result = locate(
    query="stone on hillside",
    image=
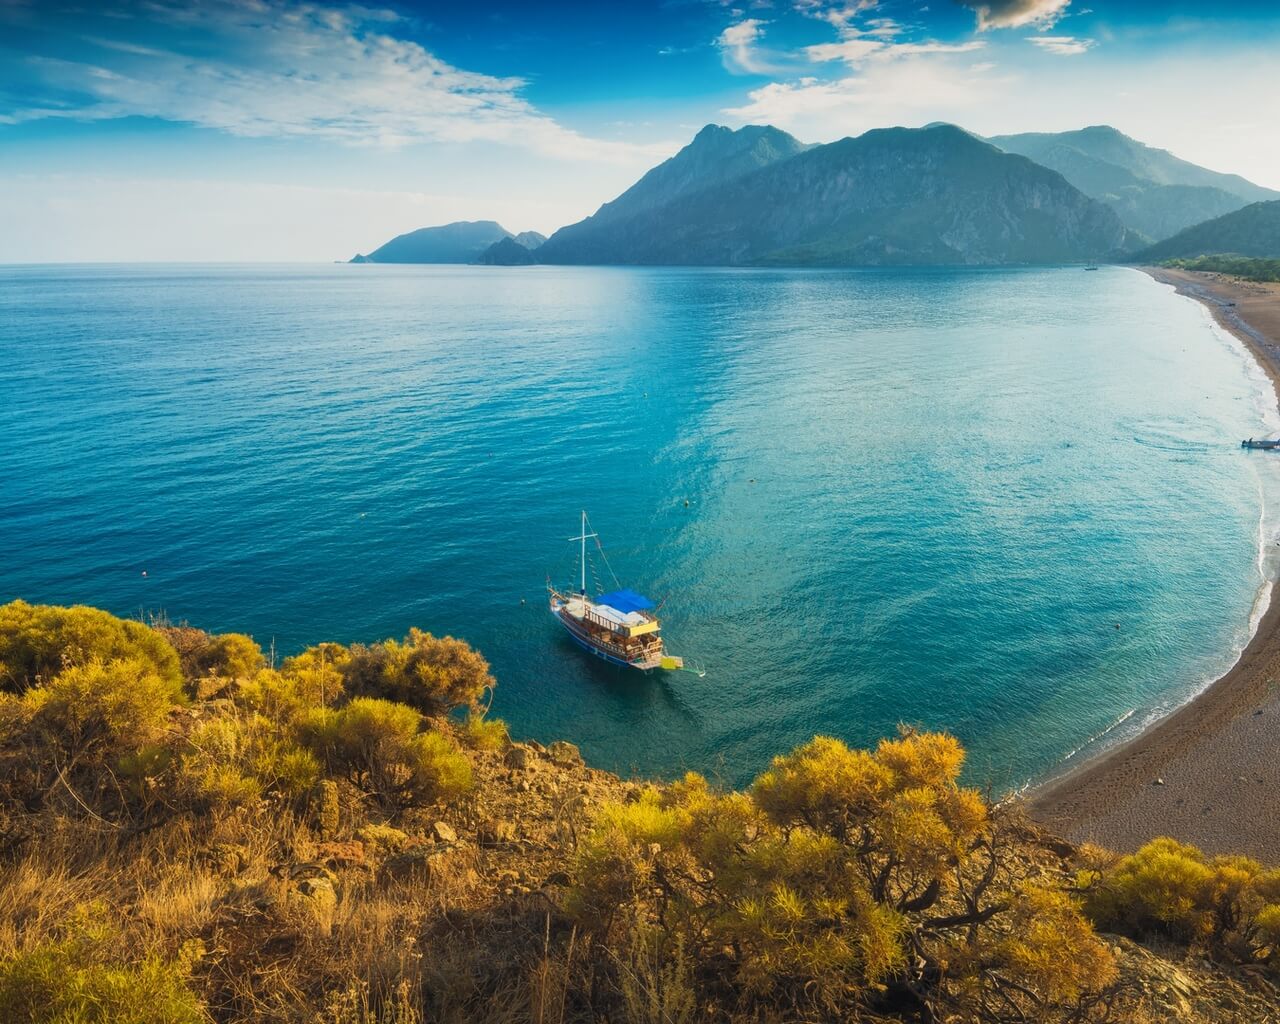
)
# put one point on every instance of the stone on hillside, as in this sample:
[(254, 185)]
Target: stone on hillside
[(383, 838), (348, 854), (444, 832), (518, 757), (565, 754)]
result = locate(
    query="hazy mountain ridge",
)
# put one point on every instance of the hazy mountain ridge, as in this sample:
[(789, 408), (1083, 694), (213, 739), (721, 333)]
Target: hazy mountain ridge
[(934, 195), (1153, 191), (462, 241), (1251, 231)]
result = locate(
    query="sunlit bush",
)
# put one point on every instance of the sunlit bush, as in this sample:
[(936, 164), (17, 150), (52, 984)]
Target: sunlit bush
[(380, 745), (842, 874), (97, 710), (482, 733), (37, 642), (1230, 904), (235, 761), (80, 979), (224, 655), (432, 674)]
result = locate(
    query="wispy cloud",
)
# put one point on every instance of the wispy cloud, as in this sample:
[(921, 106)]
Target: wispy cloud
[(1016, 13), (886, 92), (740, 50), (277, 68), (854, 51), (1063, 46)]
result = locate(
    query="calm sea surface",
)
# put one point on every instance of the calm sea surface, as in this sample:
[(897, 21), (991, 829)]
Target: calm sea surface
[(1009, 503)]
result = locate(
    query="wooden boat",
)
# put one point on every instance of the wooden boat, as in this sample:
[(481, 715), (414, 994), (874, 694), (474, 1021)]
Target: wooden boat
[(619, 627)]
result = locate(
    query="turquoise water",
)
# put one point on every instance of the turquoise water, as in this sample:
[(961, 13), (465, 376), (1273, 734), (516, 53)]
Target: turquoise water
[(926, 496)]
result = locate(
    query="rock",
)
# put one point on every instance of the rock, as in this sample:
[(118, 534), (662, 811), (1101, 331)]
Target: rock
[(327, 809), (349, 854), (383, 838), (496, 833), (1159, 782), (444, 832), (560, 878), (298, 872), (315, 897), (565, 754), (519, 757)]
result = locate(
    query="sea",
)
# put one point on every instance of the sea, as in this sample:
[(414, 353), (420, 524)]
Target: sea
[(1008, 503)]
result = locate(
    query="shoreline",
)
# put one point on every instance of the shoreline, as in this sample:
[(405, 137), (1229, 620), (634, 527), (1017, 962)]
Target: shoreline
[(1207, 773)]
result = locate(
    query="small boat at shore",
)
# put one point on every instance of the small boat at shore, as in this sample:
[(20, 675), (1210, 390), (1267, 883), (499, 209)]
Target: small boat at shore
[(620, 627), (1263, 444)]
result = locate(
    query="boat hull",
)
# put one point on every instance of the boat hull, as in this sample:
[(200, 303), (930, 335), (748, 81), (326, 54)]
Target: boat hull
[(583, 640)]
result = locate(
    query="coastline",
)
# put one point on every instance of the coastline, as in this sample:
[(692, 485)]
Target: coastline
[(1208, 773)]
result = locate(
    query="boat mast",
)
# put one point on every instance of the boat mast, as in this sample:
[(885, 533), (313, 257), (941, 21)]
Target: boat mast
[(583, 537)]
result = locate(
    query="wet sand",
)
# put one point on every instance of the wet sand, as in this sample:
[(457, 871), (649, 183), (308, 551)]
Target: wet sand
[(1209, 773)]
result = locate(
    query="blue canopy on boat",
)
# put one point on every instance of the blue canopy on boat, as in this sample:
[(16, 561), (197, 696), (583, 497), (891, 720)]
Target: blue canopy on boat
[(625, 601)]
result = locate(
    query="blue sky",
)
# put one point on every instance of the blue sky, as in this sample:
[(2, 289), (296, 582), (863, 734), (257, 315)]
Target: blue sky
[(295, 129)]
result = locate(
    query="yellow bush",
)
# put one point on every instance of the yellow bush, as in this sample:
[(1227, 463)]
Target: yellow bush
[(431, 674), (79, 979), (37, 642), (233, 762), (839, 873), (318, 673), (102, 709), (1231, 904), (225, 655), (482, 733), (380, 745)]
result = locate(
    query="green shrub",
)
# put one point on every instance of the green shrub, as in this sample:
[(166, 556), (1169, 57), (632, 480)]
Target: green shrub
[(79, 979), (37, 642), (1228, 904), (234, 762), (482, 733), (842, 874), (224, 655), (97, 710), (380, 746), (432, 674)]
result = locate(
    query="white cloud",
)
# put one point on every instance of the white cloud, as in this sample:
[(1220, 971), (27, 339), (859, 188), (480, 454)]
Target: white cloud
[(911, 90), (1063, 46), (284, 68), (856, 50), (739, 50), (1016, 13)]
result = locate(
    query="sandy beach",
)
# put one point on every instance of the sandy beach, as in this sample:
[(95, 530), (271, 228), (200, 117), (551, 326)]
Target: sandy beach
[(1209, 773)]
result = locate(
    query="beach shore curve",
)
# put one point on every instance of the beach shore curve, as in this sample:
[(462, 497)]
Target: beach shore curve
[(1209, 772)]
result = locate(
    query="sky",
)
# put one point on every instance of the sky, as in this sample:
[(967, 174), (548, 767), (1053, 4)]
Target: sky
[(211, 130)]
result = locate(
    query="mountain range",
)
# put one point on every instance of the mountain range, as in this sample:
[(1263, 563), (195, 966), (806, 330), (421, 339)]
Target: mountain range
[(460, 242), (1152, 191), (932, 195), (1251, 231)]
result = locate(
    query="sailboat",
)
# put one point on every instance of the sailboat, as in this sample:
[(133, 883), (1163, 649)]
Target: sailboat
[(619, 627)]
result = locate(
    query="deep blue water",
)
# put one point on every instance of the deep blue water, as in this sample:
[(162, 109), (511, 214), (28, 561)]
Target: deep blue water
[(925, 496)]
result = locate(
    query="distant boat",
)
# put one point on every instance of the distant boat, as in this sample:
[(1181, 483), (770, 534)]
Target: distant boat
[(1094, 267), (1265, 444), (619, 627)]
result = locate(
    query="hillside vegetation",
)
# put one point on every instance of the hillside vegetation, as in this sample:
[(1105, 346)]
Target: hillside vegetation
[(190, 834), (1247, 267), (1253, 231)]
